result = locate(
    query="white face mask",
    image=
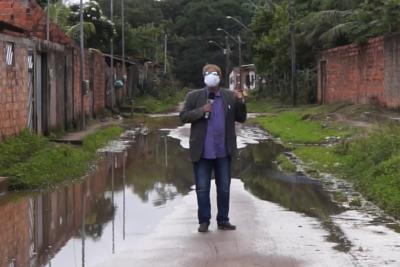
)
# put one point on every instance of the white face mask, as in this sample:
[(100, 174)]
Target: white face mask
[(211, 80)]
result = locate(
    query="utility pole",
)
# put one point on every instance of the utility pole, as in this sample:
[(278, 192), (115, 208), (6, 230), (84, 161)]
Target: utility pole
[(165, 53), (82, 56), (48, 21), (123, 39), (240, 61), (112, 58), (293, 50), (228, 63)]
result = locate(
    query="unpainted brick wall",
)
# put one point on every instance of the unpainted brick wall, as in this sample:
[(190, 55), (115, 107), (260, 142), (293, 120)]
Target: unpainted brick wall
[(98, 80), (354, 73), (13, 90), (60, 212), (28, 15), (77, 85), (14, 231)]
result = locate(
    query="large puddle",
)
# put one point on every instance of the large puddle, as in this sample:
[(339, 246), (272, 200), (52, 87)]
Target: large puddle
[(85, 223)]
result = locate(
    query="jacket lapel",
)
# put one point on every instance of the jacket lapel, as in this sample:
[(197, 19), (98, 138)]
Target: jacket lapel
[(225, 100), (203, 97)]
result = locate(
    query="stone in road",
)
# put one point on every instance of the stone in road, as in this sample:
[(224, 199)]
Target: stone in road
[(267, 235)]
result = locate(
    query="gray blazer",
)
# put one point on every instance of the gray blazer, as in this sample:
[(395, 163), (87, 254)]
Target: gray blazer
[(193, 113)]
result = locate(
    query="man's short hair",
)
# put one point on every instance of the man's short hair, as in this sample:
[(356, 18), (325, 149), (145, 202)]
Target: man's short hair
[(206, 67)]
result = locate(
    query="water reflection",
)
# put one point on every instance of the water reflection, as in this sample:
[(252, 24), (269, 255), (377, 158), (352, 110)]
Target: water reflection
[(84, 223), (160, 169), (298, 193)]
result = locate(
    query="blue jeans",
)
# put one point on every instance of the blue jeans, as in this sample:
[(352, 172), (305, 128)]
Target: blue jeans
[(202, 173)]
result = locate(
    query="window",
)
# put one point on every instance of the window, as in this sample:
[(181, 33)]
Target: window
[(9, 54)]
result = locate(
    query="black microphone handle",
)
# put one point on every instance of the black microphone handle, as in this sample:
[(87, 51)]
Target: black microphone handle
[(209, 101)]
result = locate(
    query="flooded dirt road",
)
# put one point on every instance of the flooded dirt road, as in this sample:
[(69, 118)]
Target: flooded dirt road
[(138, 209)]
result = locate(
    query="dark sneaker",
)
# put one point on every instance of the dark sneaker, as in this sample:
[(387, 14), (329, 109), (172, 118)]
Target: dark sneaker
[(226, 226), (203, 227)]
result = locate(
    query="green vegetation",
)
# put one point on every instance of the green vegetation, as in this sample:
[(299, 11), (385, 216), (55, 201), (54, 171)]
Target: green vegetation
[(33, 162), (319, 25), (157, 105), (321, 158), (15, 150), (370, 159), (286, 164), (291, 127), (261, 105), (99, 139), (373, 163)]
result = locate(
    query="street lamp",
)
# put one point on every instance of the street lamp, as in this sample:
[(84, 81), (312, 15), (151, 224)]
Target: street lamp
[(218, 45), (226, 51), (238, 22), (239, 43), (228, 34)]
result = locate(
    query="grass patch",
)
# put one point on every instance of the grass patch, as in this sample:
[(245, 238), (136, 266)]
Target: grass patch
[(370, 159), (37, 163), (321, 158), (155, 105), (262, 105), (286, 164), (291, 127), (99, 139), (16, 149), (49, 166), (373, 163)]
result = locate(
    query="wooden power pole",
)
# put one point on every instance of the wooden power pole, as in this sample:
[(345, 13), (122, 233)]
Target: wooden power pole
[(292, 19)]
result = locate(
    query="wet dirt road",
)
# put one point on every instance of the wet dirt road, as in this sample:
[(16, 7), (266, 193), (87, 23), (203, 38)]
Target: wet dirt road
[(139, 209)]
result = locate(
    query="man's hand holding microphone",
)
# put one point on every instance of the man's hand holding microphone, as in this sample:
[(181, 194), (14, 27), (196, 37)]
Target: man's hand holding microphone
[(207, 108)]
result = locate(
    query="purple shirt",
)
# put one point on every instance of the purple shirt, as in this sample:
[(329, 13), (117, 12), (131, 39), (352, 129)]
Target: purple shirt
[(214, 145)]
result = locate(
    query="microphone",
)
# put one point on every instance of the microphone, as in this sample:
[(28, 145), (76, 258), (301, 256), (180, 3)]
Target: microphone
[(210, 100)]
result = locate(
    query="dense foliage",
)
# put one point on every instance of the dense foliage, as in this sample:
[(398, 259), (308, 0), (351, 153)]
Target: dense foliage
[(319, 24), (191, 24)]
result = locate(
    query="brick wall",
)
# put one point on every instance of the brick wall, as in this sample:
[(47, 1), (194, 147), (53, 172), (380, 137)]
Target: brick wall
[(77, 86), (13, 88), (63, 92), (28, 15), (362, 74), (56, 218), (353, 74), (98, 86), (14, 233)]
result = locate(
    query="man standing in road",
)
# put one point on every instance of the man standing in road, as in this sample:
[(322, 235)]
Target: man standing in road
[(212, 112)]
